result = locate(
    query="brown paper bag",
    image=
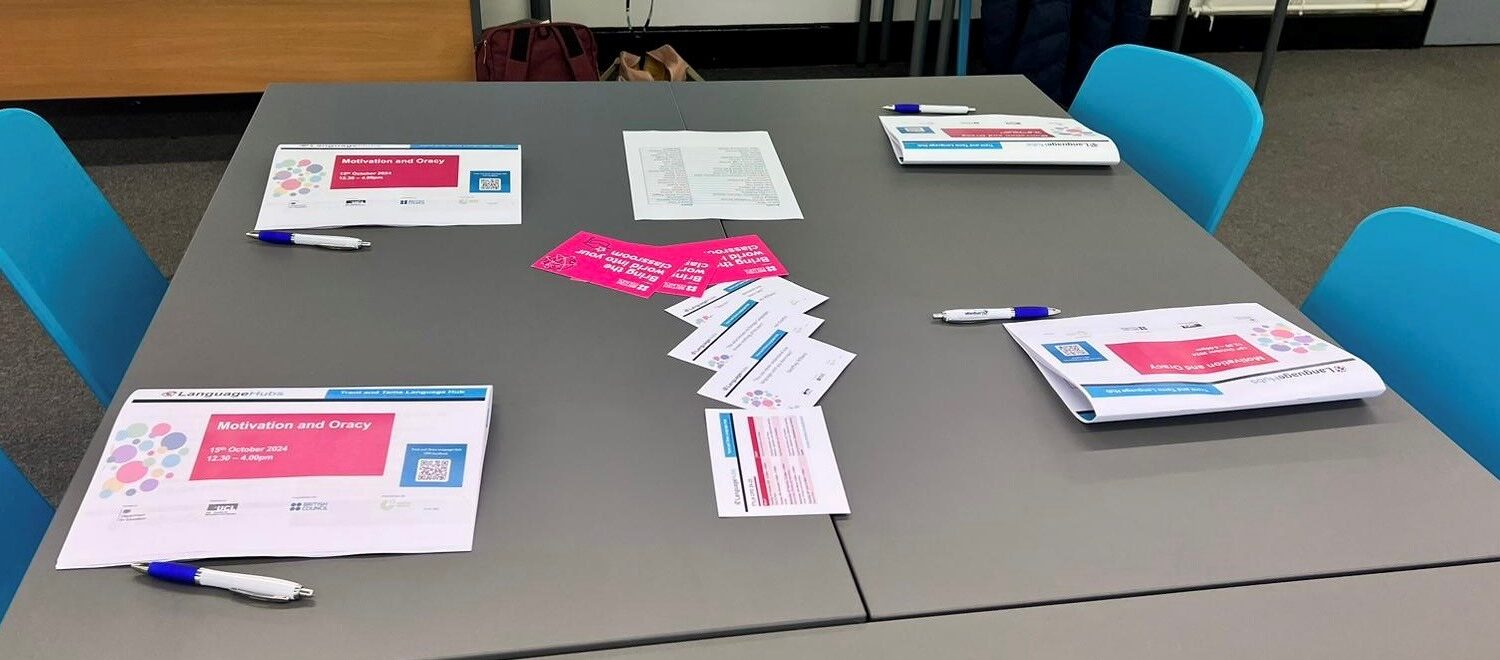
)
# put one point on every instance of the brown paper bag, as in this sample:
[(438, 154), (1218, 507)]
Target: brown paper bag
[(662, 64)]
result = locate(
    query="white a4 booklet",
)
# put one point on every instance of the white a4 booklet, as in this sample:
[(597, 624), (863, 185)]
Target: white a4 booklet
[(399, 185), (1189, 360)]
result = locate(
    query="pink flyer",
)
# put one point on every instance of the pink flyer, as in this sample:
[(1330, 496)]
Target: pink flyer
[(731, 259), (633, 268)]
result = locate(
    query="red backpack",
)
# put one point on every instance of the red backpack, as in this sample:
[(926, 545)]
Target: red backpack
[(531, 50)]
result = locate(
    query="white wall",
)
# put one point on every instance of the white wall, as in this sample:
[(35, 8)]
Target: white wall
[(611, 13)]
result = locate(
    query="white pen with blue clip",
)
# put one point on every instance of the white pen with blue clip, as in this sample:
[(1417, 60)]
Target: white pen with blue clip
[(315, 240), (258, 587), (927, 109), (995, 314)]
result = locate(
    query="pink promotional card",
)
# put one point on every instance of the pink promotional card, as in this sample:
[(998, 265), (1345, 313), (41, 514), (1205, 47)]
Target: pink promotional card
[(632, 268), (731, 259), (690, 279)]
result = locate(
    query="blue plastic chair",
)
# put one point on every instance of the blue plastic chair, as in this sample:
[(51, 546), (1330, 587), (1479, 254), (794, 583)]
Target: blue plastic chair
[(1186, 125), (69, 256), (1415, 294), (23, 517)]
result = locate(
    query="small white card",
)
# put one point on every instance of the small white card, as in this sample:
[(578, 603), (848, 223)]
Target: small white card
[(750, 325), (722, 299), (785, 371), (773, 463)]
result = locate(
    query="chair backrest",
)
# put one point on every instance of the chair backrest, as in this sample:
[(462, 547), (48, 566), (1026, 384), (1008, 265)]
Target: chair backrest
[(1417, 295), (23, 517), (1187, 126), (69, 256)]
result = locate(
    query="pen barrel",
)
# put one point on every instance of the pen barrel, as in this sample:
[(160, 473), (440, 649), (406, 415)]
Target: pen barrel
[(284, 238), (907, 107), (336, 242), (258, 586)]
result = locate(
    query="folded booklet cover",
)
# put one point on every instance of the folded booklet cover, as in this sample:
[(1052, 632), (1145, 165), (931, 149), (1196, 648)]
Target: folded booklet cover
[(312, 186), (1189, 360), (996, 140), (284, 472)]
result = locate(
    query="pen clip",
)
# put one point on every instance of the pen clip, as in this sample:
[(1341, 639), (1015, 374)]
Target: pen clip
[(261, 597)]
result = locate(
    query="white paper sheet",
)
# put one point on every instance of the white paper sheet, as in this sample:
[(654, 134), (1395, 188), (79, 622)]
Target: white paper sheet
[(773, 463), (284, 472), (688, 175), (722, 299), (749, 325), (786, 371), (398, 185)]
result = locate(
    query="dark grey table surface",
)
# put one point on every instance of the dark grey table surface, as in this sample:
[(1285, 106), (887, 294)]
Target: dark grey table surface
[(1444, 613), (970, 486), (596, 521)]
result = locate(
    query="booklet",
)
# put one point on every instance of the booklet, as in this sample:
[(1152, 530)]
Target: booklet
[(284, 472), (1189, 360), (996, 140), (773, 463), (399, 185)]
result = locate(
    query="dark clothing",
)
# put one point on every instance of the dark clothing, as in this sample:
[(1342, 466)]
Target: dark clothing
[(1054, 42)]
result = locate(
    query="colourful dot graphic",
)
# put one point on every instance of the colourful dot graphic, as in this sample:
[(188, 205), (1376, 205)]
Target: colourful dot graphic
[(1285, 338), (295, 178), (138, 459)]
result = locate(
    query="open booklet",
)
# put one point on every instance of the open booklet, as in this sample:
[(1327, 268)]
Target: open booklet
[(996, 140), (1189, 360)]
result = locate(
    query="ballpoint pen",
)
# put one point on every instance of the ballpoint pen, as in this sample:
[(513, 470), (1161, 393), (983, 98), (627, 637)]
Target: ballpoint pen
[(255, 586), (330, 242), (995, 314), (927, 108)]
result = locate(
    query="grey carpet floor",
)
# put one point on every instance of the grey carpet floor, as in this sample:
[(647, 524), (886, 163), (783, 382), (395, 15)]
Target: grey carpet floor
[(1347, 133)]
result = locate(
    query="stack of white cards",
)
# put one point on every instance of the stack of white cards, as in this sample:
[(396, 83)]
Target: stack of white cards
[(773, 456)]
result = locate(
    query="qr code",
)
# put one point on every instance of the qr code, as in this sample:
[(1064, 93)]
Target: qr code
[(489, 183), (1072, 350), (433, 470)]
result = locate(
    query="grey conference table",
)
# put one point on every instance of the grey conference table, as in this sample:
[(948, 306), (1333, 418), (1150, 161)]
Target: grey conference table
[(1446, 613), (970, 486), (596, 524)]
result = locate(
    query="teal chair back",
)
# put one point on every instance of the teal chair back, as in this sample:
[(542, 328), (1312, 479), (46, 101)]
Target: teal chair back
[(23, 517), (1417, 295), (69, 256), (1187, 126)]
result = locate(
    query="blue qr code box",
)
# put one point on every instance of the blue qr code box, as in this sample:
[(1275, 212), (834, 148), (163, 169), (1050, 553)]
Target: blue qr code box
[(489, 181), (1074, 351), (433, 466)]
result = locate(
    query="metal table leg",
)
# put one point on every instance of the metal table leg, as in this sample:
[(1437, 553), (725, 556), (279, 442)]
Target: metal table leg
[(919, 38), (1268, 57), (965, 18), (1183, 7), (887, 12), (541, 9), (862, 48), (945, 29)]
